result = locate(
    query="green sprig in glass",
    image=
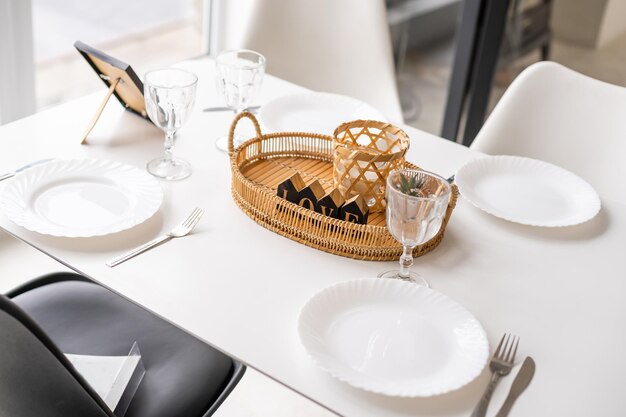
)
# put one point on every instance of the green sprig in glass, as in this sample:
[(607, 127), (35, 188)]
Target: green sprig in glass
[(411, 185)]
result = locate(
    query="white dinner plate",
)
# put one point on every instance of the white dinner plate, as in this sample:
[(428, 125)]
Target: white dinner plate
[(393, 337), (314, 113), (81, 197), (527, 191)]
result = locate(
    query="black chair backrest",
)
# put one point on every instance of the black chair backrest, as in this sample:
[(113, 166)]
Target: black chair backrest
[(36, 379)]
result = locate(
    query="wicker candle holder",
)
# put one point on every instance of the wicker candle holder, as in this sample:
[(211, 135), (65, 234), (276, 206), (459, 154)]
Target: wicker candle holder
[(364, 153)]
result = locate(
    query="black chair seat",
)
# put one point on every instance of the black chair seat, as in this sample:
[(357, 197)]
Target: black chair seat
[(184, 376)]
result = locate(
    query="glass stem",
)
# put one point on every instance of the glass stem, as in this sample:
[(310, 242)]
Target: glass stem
[(169, 144), (406, 261)]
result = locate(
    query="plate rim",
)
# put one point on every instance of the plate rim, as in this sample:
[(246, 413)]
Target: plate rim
[(403, 393), (9, 212), (263, 111), (459, 180)]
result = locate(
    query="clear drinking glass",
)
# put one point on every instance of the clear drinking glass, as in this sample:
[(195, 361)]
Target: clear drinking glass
[(170, 95), (416, 205), (239, 78)]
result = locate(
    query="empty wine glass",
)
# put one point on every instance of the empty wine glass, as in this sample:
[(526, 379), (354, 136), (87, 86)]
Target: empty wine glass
[(416, 205), (239, 77), (170, 95)]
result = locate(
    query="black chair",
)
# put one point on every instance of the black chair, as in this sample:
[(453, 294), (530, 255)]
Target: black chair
[(65, 312)]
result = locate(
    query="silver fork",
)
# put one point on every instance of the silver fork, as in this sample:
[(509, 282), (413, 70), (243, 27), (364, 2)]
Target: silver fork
[(500, 365), (180, 230)]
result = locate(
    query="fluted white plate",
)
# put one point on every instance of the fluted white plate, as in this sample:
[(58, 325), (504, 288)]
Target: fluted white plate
[(81, 197), (527, 191), (314, 113), (393, 337)]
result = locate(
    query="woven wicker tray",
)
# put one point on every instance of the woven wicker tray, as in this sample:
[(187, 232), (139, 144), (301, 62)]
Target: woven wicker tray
[(263, 162)]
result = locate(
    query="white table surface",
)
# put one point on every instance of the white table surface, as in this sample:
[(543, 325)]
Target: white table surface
[(240, 286)]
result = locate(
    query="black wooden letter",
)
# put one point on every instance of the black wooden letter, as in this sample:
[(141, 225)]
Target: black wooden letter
[(355, 210), (330, 204)]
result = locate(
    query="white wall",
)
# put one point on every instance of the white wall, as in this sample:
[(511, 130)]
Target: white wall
[(229, 18), (17, 79), (614, 23), (589, 23)]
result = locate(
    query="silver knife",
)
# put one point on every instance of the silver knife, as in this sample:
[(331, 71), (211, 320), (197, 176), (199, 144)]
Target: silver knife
[(521, 381), (251, 109), (25, 167)]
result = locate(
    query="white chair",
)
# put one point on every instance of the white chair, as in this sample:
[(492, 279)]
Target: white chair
[(557, 115), (336, 46)]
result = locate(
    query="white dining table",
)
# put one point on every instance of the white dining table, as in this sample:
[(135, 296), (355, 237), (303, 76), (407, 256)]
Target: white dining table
[(240, 287)]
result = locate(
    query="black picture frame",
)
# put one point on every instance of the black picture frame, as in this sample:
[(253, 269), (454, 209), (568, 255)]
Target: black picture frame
[(129, 89)]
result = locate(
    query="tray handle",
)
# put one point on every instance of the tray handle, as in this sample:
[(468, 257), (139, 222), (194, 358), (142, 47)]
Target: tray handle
[(233, 125)]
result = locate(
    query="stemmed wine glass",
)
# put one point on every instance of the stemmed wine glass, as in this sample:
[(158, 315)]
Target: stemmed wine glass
[(170, 94), (416, 205), (239, 77)]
